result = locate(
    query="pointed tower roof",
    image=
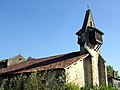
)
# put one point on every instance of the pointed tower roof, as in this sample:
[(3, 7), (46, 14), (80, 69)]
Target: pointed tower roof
[(89, 36), (88, 21)]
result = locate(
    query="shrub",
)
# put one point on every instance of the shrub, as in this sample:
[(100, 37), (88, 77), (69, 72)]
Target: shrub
[(44, 81), (102, 87), (71, 86)]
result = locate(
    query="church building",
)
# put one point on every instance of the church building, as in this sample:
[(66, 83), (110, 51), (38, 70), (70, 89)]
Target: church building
[(85, 67)]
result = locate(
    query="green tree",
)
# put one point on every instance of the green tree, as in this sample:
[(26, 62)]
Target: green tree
[(110, 71)]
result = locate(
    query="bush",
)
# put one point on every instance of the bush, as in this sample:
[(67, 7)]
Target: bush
[(31, 82), (44, 81), (102, 87), (71, 86)]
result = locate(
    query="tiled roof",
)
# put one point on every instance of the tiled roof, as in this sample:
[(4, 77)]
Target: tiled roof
[(53, 62)]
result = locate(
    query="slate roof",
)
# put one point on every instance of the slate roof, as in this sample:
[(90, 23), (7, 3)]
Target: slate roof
[(48, 63)]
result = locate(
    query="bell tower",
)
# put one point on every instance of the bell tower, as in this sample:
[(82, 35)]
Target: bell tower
[(89, 37), (90, 41)]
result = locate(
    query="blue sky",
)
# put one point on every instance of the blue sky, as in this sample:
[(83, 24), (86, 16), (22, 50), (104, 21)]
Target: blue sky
[(41, 28)]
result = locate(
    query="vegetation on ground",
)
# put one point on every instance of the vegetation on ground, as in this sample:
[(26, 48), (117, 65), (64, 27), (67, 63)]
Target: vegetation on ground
[(43, 81)]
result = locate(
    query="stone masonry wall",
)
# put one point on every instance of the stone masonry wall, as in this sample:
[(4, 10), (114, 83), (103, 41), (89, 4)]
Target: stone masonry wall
[(75, 73)]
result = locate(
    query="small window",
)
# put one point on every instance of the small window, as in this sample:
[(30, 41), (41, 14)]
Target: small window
[(90, 23), (20, 58)]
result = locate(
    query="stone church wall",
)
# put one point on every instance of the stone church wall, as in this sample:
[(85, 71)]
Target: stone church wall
[(75, 73)]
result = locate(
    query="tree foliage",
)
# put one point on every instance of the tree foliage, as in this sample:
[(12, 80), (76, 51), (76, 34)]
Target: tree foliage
[(111, 71)]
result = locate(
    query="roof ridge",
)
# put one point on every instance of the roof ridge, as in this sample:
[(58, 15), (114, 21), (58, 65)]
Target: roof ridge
[(53, 56)]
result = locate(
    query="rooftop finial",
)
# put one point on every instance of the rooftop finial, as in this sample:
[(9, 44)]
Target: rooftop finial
[(88, 7)]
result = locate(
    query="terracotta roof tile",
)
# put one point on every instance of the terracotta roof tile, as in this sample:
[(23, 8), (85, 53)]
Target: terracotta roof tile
[(53, 62)]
